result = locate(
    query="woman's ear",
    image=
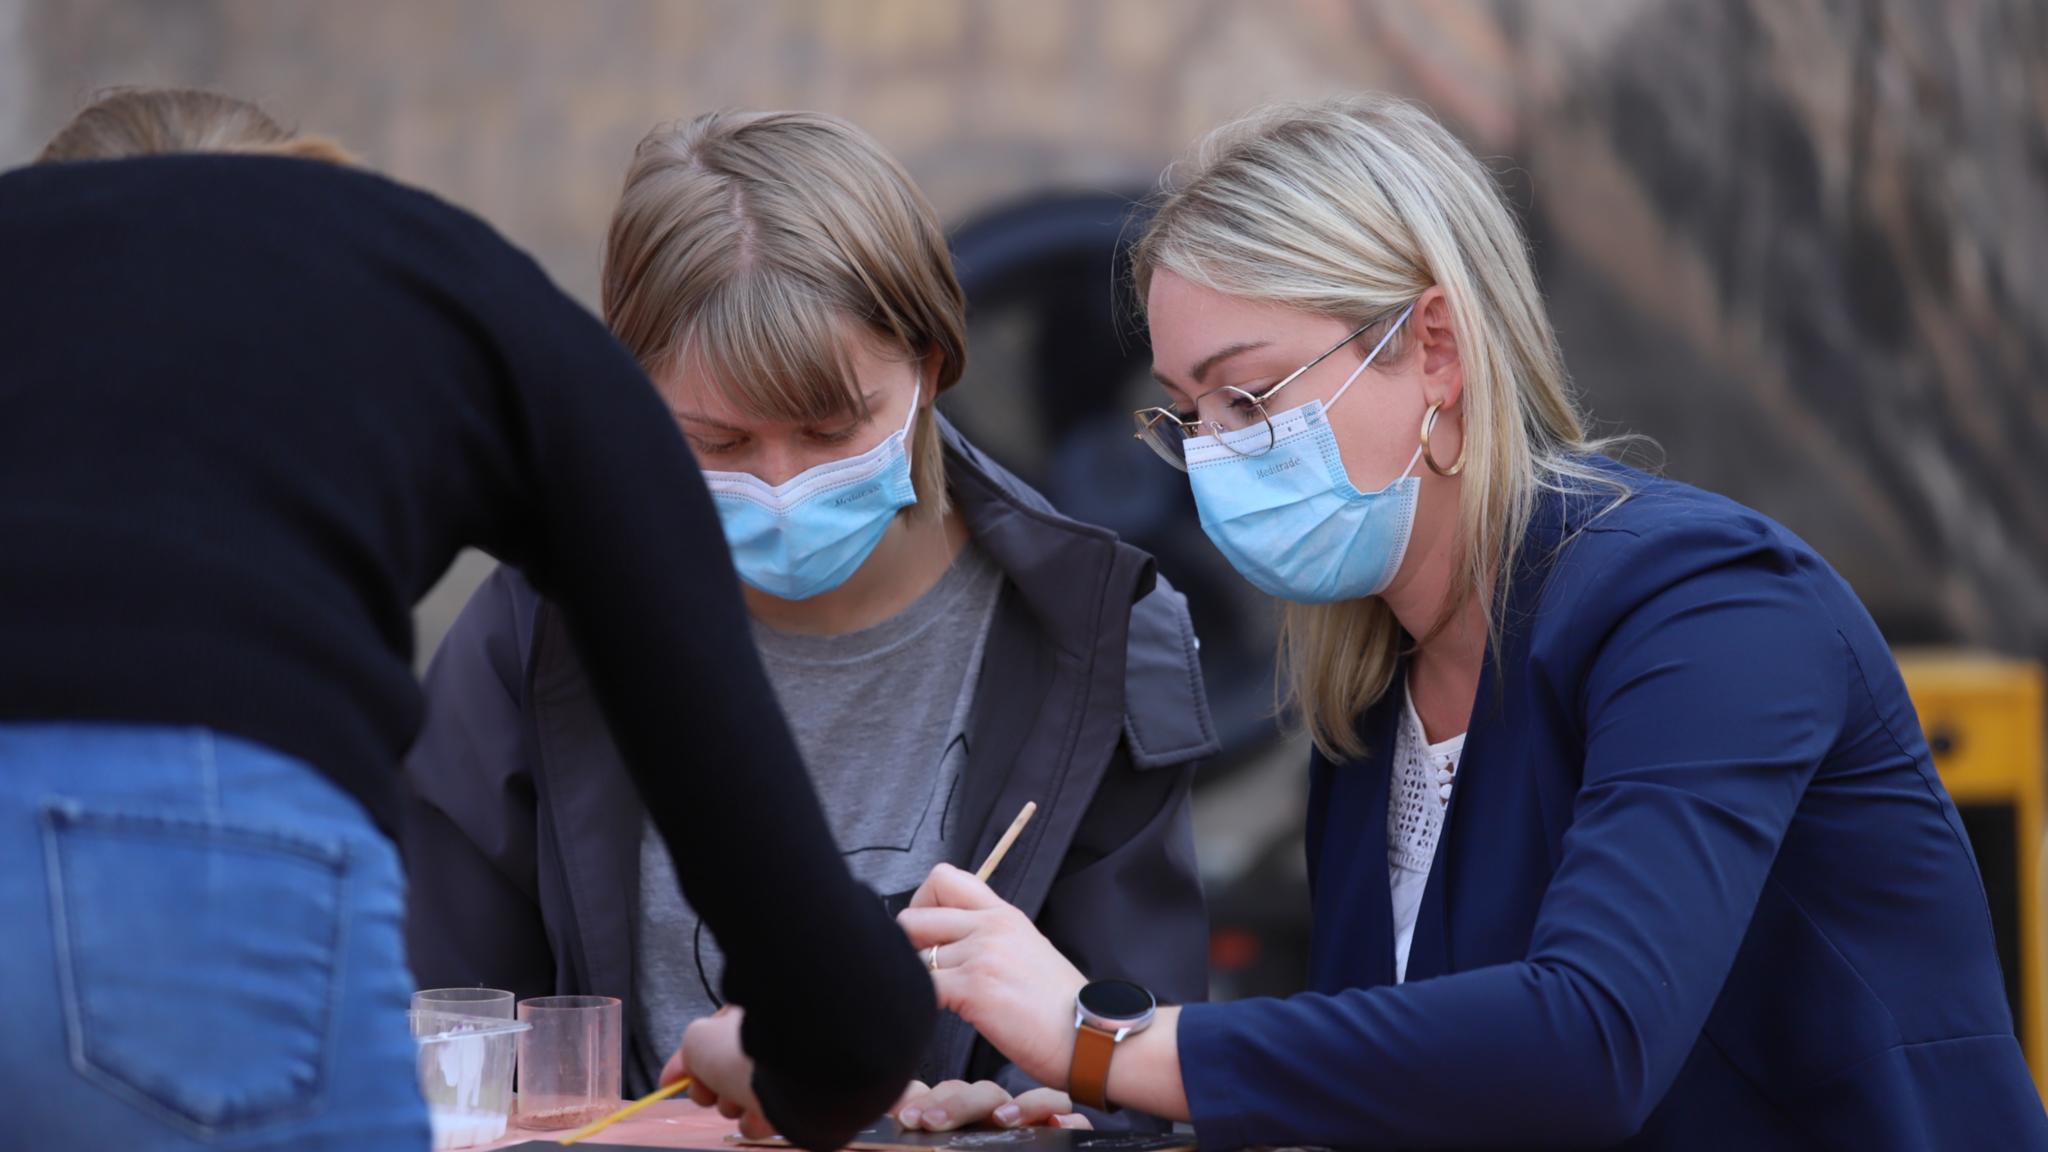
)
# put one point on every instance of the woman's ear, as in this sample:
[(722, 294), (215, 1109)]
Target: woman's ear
[(1443, 371), (928, 370)]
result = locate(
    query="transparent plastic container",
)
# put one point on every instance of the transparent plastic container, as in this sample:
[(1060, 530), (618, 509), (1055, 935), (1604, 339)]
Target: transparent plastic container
[(465, 1073), (493, 1002), (569, 1065)]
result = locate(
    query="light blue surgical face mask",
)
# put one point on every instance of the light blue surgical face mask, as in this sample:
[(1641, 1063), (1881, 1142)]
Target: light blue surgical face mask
[(1289, 518), (805, 536)]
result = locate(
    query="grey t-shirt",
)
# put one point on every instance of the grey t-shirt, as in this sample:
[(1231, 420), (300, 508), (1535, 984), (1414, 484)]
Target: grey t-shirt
[(881, 718)]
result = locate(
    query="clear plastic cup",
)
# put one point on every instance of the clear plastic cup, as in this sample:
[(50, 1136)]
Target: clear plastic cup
[(489, 1002), (569, 1063), (465, 1073)]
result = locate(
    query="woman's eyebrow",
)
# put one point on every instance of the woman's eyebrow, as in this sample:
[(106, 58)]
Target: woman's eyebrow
[(1208, 363), (1221, 354), (867, 398), (699, 418)]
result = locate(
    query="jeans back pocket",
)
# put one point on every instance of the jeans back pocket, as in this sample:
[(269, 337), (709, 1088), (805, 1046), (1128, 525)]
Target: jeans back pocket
[(197, 958)]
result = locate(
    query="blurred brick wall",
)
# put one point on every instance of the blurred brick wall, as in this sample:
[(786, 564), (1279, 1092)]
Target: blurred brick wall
[(525, 110), (1802, 244)]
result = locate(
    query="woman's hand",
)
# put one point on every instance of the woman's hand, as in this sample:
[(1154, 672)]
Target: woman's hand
[(958, 1104), (996, 971), (721, 1075)]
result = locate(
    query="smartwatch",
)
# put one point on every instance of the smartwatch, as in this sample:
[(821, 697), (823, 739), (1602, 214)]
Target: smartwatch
[(1104, 1013)]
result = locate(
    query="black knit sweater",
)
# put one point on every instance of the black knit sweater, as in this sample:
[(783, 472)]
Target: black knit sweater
[(251, 408)]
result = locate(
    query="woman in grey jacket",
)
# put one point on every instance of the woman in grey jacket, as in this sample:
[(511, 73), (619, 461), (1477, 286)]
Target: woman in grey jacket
[(944, 644)]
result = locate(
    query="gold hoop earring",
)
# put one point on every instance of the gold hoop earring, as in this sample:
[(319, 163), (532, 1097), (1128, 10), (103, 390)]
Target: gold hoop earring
[(1428, 457)]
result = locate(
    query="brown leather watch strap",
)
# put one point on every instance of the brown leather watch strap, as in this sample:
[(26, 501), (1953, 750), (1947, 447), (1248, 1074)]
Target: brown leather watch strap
[(1088, 1076)]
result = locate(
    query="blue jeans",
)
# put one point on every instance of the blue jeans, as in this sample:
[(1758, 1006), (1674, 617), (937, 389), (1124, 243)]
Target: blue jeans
[(201, 946)]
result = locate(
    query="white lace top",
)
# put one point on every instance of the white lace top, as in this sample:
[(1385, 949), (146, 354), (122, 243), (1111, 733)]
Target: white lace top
[(1418, 793)]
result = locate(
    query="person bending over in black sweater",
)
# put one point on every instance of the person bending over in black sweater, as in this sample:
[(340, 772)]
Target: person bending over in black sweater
[(252, 404)]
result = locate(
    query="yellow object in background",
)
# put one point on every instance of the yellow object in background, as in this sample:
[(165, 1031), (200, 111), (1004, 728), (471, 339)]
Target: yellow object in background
[(1983, 718)]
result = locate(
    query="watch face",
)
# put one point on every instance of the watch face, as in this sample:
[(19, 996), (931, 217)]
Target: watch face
[(1116, 1000)]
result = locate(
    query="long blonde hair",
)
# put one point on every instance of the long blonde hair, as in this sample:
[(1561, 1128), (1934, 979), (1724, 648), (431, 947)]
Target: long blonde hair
[(1352, 208), (753, 240), (129, 122)]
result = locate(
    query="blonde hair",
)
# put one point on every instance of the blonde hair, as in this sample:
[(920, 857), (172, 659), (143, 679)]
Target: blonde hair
[(759, 244), (129, 122), (1352, 208)]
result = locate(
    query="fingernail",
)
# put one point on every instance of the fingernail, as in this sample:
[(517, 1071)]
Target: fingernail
[(1008, 1115), (908, 1117), (935, 1119)]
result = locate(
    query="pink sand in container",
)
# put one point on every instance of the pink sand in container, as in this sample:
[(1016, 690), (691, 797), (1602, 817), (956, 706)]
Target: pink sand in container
[(548, 1118)]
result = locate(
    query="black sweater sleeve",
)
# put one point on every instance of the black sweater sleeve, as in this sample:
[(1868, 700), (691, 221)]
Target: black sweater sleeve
[(624, 537), (323, 386)]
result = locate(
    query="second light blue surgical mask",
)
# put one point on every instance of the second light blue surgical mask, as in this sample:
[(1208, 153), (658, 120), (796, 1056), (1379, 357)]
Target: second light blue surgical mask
[(805, 536), (1289, 519)]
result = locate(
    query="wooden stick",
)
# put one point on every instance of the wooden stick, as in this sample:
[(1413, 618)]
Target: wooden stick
[(1002, 848), (655, 1097)]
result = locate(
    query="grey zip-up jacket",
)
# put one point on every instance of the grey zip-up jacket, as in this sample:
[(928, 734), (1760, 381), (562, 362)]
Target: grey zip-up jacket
[(522, 831)]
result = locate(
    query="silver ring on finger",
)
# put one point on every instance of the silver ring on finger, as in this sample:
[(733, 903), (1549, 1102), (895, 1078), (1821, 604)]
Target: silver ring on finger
[(931, 958)]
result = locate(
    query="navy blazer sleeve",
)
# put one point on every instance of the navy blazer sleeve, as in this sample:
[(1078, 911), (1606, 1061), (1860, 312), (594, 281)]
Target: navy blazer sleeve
[(1711, 683)]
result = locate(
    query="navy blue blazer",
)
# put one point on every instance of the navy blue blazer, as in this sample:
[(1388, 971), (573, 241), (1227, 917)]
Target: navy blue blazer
[(1699, 886)]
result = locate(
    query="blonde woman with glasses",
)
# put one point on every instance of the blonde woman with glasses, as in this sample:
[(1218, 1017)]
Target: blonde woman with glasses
[(1622, 831)]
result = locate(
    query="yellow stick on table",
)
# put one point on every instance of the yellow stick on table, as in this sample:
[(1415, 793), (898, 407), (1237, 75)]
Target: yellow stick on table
[(654, 1097)]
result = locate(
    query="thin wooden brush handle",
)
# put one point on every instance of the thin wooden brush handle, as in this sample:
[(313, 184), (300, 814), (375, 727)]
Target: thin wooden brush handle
[(1002, 848)]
